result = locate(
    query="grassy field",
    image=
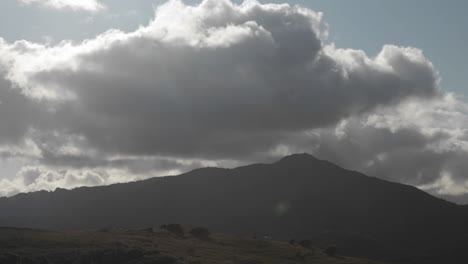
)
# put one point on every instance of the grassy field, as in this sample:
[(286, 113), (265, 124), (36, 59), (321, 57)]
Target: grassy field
[(152, 246)]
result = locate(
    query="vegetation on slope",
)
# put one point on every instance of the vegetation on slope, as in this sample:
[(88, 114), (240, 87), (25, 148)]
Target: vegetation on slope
[(158, 246)]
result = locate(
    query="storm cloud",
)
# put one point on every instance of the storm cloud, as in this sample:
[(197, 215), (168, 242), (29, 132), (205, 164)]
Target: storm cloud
[(226, 84)]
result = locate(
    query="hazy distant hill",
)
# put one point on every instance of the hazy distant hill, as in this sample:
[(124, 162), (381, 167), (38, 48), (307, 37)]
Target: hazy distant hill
[(297, 197)]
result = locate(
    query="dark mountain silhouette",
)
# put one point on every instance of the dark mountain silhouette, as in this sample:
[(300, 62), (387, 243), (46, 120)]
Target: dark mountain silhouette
[(298, 197)]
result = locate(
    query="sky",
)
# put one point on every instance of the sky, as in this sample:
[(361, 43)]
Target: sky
[(97, 92)]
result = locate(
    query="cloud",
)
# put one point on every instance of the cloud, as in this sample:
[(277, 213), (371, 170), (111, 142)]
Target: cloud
[(33, 178), (225, 84), (8, 189), (418, 142), (217, 80), (124, 169), (86, 5), (17, 113)]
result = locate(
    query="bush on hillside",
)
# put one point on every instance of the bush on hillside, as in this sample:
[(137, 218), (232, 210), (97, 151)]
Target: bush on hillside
[(174, 228)]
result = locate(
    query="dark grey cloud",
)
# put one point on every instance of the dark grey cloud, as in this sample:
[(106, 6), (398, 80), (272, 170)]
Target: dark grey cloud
[(16, 113)]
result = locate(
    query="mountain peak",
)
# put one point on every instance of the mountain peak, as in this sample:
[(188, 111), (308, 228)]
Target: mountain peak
[(299, 157)]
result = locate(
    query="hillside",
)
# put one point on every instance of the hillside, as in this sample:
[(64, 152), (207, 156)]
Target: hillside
[(154, 246), (298, 197)]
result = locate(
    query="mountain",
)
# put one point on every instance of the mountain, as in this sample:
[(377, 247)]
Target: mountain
[(298, 197)]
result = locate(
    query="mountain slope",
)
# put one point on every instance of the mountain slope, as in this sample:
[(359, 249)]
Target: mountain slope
[(155, 246), (297, 197)]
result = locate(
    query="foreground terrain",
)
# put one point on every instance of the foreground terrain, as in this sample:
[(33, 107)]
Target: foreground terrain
[(150, 245)]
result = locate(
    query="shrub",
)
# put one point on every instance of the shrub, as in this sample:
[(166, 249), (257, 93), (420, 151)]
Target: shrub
[(200, 233), (174, 228)]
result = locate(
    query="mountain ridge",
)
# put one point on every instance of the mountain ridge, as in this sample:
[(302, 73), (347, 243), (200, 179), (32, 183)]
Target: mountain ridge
[(305, 157), (297, 197)]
